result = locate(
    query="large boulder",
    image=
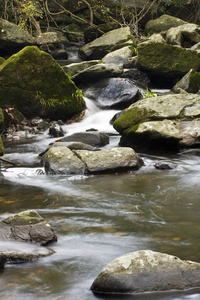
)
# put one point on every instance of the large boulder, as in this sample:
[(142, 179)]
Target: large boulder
[(98, 48), (116, 93), (147, 271), (185, 35), (168, 121), (163, 23), (1, 147), (165, 62), (36, 85), (97, 72), (12, 39), (61, 160)]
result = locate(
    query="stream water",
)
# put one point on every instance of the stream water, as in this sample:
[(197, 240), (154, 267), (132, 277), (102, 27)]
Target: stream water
[(98, 218)]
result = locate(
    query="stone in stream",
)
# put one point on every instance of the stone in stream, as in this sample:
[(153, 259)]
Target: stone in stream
[(147, 271), (95, 139), (61, 160), (18, 229), (115, 93)]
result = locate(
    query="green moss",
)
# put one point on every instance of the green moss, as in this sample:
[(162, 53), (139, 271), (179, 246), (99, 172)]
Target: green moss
[(194, 82), (163, 58), (131, 117), (1, 147), (33, 79), (1, 60)]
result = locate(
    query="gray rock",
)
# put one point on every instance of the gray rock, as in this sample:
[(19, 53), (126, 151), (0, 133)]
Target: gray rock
[(95, 139), (110, 160), (74, 146), (27, 226), (116, 93), (121, 57), (75, 68), (12, 39), (61, 160), (98, 48), (168, 121), (97, 72), (189, 83), (165, 165), (163, 23), (147, 271), (185, 35)]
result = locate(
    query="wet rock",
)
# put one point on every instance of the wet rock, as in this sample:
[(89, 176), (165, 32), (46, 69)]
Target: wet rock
[(147, 271), (116, 93), (110, 160), (61, 160), (56, 130), (169, 121), (2, 261), (95, 139), (138, 76), (164, 165), (97, 72), (14, 252), (98, 48), (27, 226)]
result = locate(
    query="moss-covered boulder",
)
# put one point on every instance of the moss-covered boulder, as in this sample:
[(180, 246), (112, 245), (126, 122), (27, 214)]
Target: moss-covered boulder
[(164, 62), (169, 121), (189, 83), (98, 48), (36, 85), (163, 23)]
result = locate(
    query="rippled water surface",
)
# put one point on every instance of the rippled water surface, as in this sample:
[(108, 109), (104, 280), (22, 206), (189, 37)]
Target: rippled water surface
[(98, 218)]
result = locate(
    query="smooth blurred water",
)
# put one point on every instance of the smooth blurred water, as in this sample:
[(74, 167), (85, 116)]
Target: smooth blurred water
[(98, 218)]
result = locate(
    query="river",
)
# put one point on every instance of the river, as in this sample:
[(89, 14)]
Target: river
[(98, 218)]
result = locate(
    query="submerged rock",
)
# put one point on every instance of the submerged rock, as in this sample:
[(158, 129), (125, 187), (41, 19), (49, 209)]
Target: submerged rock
[(36, 85), (147, 271)]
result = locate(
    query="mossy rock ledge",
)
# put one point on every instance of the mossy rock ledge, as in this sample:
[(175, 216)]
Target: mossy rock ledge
[(36, 85), (169, 121), (1, 125)]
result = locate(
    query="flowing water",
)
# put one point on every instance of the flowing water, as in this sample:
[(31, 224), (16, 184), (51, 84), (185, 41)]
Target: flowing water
[(98, 218)]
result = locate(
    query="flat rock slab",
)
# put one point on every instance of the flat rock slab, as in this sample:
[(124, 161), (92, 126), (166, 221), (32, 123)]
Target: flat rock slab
[(147, 271)]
